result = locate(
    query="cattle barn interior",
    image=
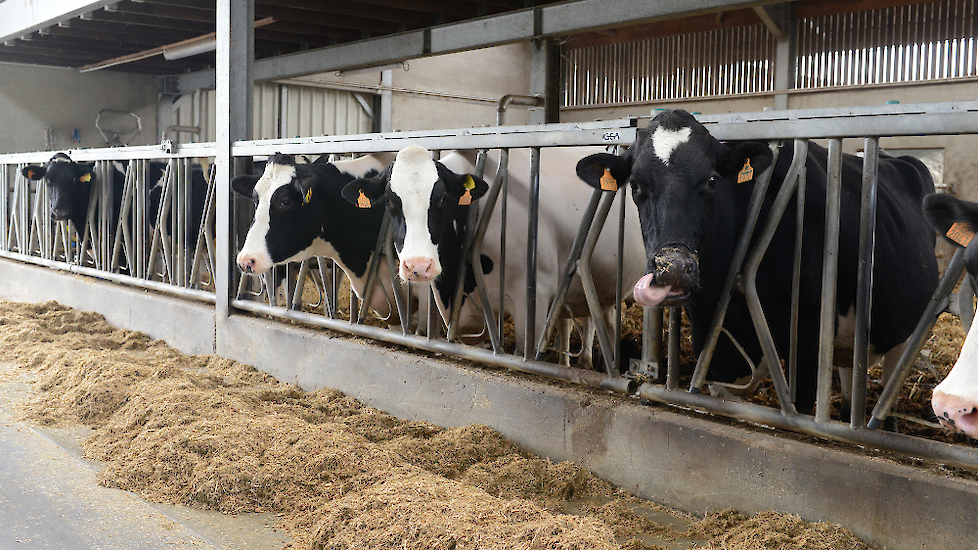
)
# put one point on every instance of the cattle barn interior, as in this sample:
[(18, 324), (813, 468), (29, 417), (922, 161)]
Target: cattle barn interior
[(172, 100)]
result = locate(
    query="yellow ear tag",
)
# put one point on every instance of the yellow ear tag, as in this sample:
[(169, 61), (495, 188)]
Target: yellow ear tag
[(960, 233), (746, 173), (308, 197), (85, 178), (363, 201), (608, 182), (466, 198)]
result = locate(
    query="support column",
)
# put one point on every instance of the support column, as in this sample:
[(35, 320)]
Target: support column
[(779, 21), (235, 58), (545, 80), (385, 123)]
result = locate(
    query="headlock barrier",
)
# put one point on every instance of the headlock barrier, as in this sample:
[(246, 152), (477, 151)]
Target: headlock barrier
[(156, 244)]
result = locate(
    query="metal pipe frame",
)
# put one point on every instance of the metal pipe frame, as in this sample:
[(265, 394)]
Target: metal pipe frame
[(886, 121)]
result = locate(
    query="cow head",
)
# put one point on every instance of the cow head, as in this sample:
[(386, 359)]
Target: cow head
[(69, 185), (675, 169), (955, 399), (286, 221), (420, 194)]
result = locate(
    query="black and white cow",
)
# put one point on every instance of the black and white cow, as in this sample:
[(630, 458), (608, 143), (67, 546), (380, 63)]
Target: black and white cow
[(424, 195), (69, 186), (300, 214), (955, 399), (692, 209)]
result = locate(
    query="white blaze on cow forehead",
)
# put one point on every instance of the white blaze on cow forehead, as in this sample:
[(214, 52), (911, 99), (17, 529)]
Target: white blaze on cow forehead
[(665, 141), (412, 179), (275, 176)]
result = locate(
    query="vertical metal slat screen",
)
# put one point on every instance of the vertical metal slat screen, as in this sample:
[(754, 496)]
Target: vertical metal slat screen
[(722, 62), (921, 42)]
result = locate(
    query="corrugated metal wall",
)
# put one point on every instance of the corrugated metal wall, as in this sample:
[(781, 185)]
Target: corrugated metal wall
[(286, 110), (932, 41)]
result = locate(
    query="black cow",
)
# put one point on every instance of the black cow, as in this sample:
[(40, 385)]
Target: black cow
[(692, 210)]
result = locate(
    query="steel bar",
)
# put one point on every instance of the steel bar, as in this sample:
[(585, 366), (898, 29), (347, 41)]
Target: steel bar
[(753, 263), (532, 235), (864, 282), (114, 277), (497, 189), (830, 269), (466, 261), (801, 194), (675, 329), (512, 362), (570, 269), (934, 308), (743, 244), (590, 292)]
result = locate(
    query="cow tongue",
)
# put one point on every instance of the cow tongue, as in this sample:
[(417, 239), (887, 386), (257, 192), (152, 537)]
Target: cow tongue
[(648, 294)]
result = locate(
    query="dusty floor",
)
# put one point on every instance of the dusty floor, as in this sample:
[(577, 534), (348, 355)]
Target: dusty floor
[(210, 433)]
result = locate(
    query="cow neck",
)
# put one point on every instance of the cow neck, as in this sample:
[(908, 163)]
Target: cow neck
[(352, 232)]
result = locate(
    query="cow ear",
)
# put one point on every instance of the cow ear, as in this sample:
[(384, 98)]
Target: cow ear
[(85, 174), (33, 172), (604, 171), (244, 184), (463, 188), (367, 192), (744, 161), (955, 219)]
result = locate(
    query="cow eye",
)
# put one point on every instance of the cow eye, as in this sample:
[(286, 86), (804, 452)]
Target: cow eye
[(283, 204)]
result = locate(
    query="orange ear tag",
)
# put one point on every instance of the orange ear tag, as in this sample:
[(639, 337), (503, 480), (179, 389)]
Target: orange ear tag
[(363, 201), (465, 199), (960, 233), (608, 182), (746, 173), (30, 174), (85, 178)]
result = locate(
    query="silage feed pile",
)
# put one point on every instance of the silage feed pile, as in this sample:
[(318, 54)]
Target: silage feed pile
[(214, 434)]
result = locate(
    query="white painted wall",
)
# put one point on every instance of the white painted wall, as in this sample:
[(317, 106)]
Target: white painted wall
[(32, 98)]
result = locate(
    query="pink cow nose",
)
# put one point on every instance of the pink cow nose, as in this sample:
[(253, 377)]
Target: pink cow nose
[(956, 413), (247, 264), (419, 270)]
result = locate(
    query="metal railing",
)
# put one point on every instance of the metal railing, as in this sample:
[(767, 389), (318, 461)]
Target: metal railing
[(425, 329)]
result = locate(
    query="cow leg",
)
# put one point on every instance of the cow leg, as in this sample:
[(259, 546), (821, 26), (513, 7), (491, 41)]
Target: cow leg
[(564, 329)]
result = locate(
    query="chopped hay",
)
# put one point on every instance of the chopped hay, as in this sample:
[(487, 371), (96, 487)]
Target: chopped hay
[(215, 434)]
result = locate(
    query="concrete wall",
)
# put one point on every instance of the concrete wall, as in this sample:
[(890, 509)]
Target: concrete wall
[(32, 98), (489, 73)]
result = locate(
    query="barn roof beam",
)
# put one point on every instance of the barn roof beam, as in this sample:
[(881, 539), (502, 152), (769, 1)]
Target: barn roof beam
[(24, 18), (518, 26)]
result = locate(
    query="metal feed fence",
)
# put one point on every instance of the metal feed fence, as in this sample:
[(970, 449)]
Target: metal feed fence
[(426, 329), (140, 246)]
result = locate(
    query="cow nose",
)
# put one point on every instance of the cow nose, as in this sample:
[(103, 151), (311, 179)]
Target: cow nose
[(675, 266), (247, 264), (956, 413), (419, 270), (59, 214)]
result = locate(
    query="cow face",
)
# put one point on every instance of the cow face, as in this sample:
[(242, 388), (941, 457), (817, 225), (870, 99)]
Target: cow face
[(69, 185), (421, 195), (286, 221), (676, 170), (955, 399)]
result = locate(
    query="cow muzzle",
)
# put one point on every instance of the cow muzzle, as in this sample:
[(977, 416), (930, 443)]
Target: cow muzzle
[(419, 269), (670, 281), (959, 414), (252, 263)]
